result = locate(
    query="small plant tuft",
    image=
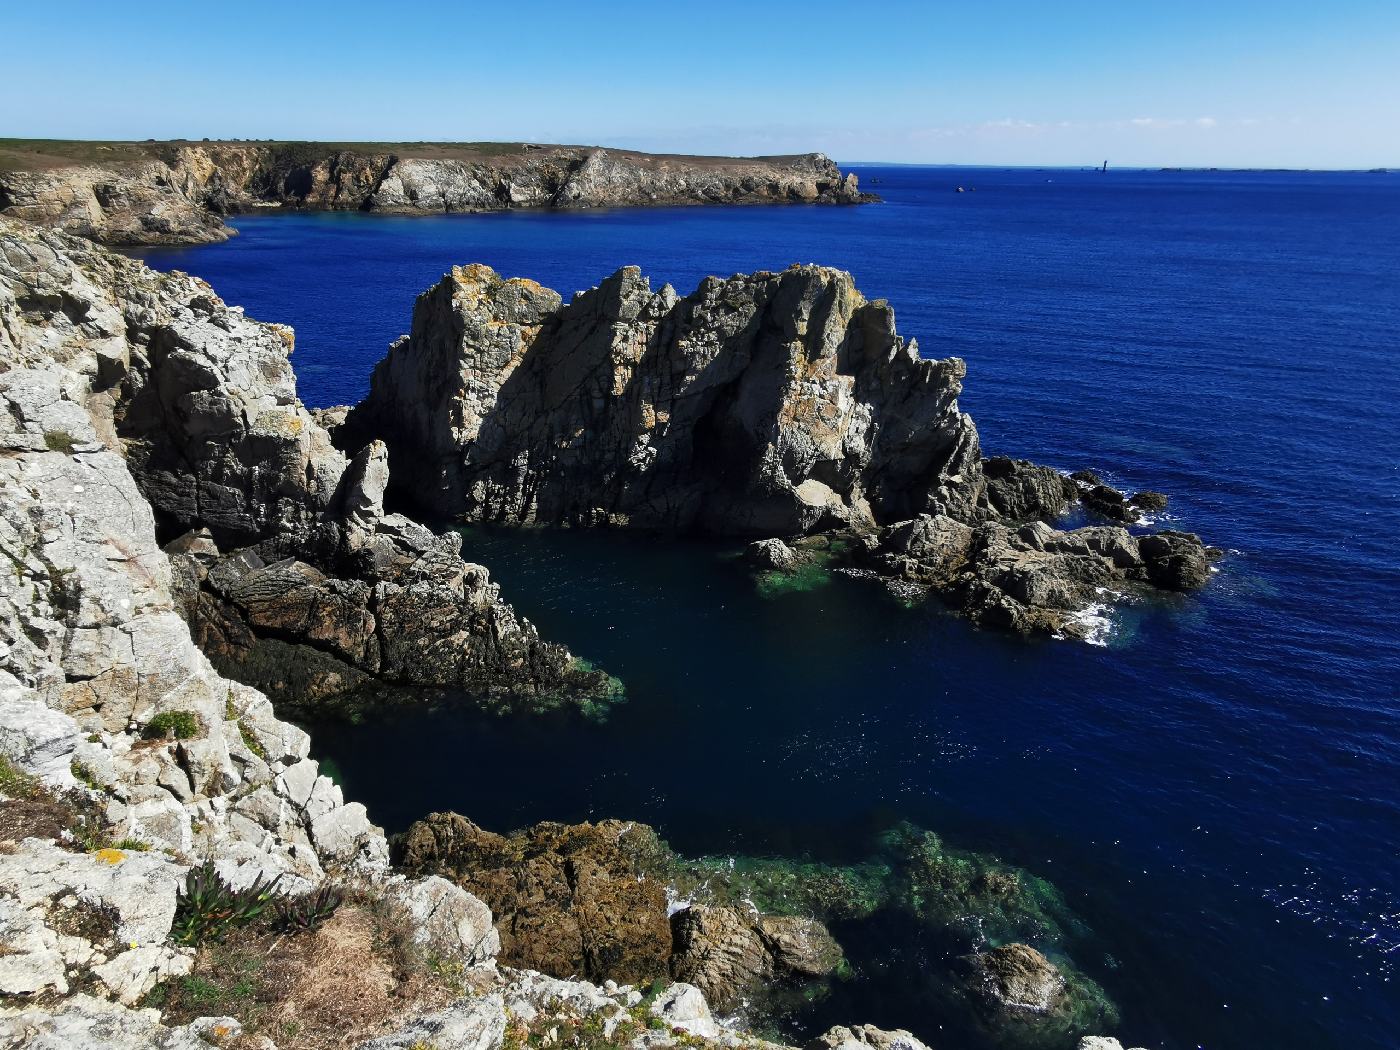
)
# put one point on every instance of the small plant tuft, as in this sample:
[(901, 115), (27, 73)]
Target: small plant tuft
[(180, 724), (84, 775), (58, 441), (15, 782), (308, 911), (208, 907)]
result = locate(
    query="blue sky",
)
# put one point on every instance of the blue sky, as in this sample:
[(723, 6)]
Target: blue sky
[(1170, 82)]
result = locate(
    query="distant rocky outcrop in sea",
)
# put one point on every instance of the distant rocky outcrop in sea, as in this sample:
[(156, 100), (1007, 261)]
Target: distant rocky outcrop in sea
[(767, 405), (172, 193)]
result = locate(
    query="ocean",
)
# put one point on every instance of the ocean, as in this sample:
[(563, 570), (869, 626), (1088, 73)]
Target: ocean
[(1214, 787)]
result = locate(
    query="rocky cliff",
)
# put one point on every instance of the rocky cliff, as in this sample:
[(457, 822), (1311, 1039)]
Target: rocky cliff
[(763, 405), (132, 194), (285, 562)]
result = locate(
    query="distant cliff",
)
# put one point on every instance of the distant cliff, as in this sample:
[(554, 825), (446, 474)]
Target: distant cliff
[(174, 193)]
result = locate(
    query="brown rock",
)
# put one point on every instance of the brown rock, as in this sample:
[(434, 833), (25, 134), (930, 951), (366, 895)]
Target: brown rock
[(569, 900), (1017, 980), (728, 953)]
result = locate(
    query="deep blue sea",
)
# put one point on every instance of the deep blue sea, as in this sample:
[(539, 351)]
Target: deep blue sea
[(1216, 790)]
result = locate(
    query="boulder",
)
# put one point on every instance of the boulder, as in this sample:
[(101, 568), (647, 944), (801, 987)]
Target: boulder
[(728, 953), (1018, 981), (1175, 561), (771, 555), (865, 1037), (1149, 501)]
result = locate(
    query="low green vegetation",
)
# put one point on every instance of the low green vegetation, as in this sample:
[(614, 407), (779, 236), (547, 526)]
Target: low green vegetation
[(84, 775), (182, 725), (15, 782), (208, 907), (308, 911), (58, 441)]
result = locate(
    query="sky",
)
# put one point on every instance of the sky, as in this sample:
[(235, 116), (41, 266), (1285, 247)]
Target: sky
[(1233, 83)]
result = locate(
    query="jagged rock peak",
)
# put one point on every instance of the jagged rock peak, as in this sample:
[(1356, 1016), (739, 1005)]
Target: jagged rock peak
[(765, 403)]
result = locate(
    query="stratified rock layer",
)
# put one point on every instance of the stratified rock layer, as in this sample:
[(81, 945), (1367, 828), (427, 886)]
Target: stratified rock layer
[(172, 194), (762, 405)]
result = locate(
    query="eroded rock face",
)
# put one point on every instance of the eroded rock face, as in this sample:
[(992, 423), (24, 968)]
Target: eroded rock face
[(765, 404), (279, 541), (178, 194), (568, 900)]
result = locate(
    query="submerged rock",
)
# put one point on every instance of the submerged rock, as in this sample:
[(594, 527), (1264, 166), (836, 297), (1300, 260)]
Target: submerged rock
[(1016, 979)]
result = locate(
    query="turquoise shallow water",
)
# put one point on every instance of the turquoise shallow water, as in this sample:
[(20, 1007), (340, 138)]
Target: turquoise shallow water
[(1217, 791)]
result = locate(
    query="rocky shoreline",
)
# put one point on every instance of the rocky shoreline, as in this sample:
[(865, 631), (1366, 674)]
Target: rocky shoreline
[(128, 194), (165, 495)]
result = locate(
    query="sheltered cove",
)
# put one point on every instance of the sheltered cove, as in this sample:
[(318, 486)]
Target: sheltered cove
[(215, 508)]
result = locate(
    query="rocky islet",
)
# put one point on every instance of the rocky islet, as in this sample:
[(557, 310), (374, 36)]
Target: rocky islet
[(769, 405)]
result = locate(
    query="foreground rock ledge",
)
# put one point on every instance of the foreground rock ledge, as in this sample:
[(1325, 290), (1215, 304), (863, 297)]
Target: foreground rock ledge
[(772, 405)]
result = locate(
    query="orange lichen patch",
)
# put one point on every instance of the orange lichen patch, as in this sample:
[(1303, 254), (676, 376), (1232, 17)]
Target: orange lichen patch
[(287, 335), (110, 855)]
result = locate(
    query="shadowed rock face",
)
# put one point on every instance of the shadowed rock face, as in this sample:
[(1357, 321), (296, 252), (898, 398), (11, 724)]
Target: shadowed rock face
[(177, 194), (771, 403)]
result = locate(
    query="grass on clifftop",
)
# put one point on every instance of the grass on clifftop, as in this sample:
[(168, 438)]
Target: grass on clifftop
[(50, 154)]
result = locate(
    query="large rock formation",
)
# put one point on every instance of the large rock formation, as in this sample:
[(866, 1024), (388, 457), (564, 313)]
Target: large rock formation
[(286, 563), (591, 900), (157, 193), (768, 404), (765, 403), (568, 899)]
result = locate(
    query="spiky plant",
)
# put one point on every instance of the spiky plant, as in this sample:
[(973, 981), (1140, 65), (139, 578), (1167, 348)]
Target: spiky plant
[(308, 911), (208, 907)]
